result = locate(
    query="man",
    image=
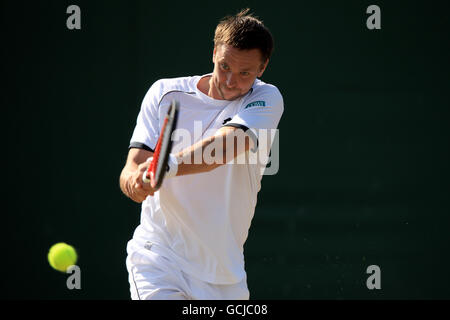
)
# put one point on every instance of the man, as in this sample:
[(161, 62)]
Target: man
[(189, 244)]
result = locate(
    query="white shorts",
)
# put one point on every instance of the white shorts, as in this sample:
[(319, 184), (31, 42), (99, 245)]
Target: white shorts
[(152, 276)]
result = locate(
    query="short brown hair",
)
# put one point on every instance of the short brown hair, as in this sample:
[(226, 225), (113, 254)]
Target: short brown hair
[(244, 31)]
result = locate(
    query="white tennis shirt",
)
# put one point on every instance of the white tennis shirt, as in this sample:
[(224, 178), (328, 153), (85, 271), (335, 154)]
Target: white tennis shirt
[(202, 220)]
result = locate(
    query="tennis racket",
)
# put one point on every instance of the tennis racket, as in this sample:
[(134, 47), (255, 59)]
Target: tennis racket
[(158, 167)]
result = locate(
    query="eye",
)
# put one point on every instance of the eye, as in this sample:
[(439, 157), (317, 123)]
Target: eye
[(245, 73), (224, 66)]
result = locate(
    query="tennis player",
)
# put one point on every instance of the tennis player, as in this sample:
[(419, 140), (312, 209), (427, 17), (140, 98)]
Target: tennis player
[(189, 243)]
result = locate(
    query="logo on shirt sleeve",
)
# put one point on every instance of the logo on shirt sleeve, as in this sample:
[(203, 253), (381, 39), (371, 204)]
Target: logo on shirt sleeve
[(256, 104)]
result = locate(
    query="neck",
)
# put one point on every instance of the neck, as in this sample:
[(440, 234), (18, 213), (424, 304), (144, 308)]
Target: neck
[(206, 86), (211, 91)]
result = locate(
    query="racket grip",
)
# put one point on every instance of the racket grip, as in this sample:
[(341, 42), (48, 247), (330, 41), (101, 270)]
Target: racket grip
[(144, 178)]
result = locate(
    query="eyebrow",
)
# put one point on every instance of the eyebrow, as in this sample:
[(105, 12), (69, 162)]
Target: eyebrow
[(246, 69), (242, 70)]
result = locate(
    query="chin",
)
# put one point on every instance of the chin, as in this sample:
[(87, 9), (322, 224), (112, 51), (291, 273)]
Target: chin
[(233, 95), (234, 98)]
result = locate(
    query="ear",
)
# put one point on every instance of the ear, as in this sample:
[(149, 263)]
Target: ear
[(263, 68), (214, 55)]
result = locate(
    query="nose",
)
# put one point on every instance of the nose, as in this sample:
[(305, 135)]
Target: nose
[(231, 80)]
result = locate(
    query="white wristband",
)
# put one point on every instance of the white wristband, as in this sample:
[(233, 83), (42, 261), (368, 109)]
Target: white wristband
[(173, 166)]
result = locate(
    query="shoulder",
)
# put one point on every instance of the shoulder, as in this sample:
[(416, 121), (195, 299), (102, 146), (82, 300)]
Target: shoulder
[(163, 86), (260, 87), (263, 94)]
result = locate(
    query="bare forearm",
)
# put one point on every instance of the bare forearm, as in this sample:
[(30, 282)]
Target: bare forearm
[(192, 160), (212, 152)]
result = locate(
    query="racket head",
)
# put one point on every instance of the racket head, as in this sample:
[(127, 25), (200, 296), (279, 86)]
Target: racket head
[(158, 166)]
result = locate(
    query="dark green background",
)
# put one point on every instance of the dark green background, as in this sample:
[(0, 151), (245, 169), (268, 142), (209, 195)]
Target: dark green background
[(364, 143)]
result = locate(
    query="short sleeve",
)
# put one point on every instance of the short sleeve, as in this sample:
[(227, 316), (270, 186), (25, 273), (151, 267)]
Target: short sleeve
[(260, 112), (145, 134)]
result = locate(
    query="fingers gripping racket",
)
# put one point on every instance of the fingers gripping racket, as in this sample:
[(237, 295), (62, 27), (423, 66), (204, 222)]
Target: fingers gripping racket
[(158, 167)]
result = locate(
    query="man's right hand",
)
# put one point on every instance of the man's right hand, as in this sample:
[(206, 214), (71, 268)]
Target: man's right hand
[(131, 182), (139, 189)]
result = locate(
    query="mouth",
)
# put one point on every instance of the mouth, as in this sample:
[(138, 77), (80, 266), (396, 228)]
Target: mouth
[(227, 89), (225, 92)]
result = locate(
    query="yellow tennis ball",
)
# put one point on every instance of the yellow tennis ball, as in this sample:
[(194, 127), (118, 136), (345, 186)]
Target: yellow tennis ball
[(61, 256)]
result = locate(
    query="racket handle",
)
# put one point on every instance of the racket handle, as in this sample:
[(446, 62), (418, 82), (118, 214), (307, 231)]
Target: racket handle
[(144, 178)]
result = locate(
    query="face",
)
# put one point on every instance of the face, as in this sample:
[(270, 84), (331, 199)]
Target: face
[(234, 71)]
